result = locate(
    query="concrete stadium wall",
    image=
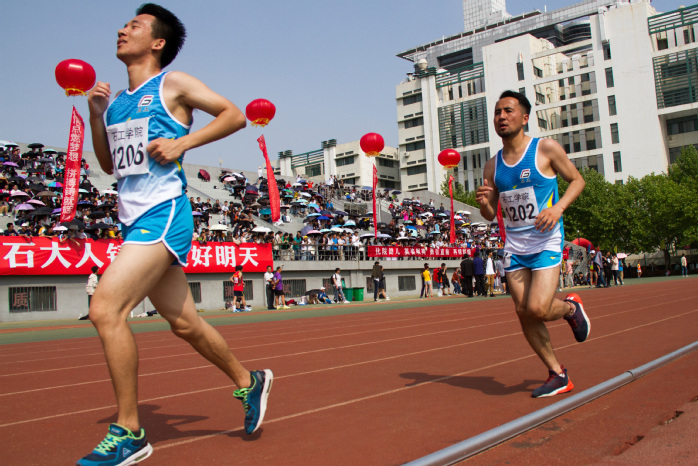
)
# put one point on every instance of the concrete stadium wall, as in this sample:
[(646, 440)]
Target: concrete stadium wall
[(71, 298)]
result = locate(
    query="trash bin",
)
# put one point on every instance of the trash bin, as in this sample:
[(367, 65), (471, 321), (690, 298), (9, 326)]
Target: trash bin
[(348, 294), (358, 294)]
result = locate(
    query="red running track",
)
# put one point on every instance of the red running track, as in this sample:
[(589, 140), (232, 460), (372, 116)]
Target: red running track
[(375, 388)]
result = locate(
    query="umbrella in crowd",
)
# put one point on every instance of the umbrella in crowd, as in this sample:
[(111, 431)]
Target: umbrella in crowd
[(24, 207), (261, 229), (218, 227)]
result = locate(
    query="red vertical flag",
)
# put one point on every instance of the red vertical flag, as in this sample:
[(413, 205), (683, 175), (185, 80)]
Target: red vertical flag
[(71, 179), (375, 211), (453, 223), (274, 201), (500, 221)]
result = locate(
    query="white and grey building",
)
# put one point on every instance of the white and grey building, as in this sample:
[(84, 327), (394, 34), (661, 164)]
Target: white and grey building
[(345, 161), (613, 81)]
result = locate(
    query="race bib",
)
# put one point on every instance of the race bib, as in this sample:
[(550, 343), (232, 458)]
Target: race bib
[(520, 207), (127, 143)]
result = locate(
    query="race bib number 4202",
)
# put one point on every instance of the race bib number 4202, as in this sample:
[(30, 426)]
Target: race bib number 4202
[(127, 143), (520, 207)]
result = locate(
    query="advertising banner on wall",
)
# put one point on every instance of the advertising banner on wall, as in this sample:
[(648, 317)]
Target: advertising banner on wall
[(49, 256), (399, 251)]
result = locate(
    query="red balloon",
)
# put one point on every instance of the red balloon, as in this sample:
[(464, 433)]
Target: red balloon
[(372, 144), (260, 112), (449, 158), (75, 76)]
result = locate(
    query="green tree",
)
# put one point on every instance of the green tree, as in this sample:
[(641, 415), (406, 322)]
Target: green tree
[(460, 194)]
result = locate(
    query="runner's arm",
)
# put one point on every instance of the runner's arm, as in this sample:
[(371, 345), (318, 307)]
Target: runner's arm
[(487, 194), (562, 165), (98, 101), (184, 93)]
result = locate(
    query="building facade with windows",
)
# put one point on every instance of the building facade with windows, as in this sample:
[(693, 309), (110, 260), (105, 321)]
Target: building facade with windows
[(345, 161), (614, 82)]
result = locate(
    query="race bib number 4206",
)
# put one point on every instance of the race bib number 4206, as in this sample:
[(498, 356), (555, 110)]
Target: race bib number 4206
[(520, 207), (127, 143)]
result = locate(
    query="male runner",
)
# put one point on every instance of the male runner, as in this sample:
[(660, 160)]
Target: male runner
[(143, 144), (523, 177)]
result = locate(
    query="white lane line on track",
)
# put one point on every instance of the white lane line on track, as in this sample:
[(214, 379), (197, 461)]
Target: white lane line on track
[(191, 352), (353, 365), (420, 317)]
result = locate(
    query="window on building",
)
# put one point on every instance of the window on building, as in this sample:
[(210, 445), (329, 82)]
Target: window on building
[(522, 91), (615, 138), (689, 36), (342, 162), (195, 288), (682, 125), (413, 146), (576, 142), (32, 299), (538, 72), (542, 124), (606, 51), (405, 283), (609, 77), (315, 170), (414, 122), (617, 165), (416, 170), (520, 71), (412, 99), (612, 105), (540, 98), (590, 137), (386, 163), (662, 41)]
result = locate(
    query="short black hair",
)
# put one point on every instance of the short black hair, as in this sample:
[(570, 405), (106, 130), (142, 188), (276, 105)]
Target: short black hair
[(95, 269), (523, 101), (166, 26)]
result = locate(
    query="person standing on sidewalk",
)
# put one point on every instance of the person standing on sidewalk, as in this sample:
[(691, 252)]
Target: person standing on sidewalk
[(278, 283), (376, 276), (489, 273), (269, 287), (338, 287), (91, 286)]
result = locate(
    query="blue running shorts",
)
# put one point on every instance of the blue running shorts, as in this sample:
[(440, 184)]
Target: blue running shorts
[(538, 261), (169, 222)]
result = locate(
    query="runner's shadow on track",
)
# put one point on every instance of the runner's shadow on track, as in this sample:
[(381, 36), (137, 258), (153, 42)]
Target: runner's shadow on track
[(163, 427), (487, 385)]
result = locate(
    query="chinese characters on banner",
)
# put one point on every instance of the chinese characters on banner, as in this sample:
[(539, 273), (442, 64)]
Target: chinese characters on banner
[(48, 256), (400, 251), (71, 180)]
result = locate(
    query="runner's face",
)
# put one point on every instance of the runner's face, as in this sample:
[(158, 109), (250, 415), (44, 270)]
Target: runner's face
[(509, 117), (136, 39)]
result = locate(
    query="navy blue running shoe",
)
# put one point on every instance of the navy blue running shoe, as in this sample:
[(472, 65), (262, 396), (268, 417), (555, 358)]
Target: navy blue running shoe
[(254, 398), (555, 385), (119, 448), (578, 321)]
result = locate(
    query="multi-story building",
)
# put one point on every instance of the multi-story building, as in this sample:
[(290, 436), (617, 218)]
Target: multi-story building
[(613, 81), (345, 161)]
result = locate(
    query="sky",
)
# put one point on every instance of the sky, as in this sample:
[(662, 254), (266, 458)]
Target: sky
[(330, 67)]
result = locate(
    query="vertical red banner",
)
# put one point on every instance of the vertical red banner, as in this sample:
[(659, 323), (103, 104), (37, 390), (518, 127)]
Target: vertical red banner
[(375, 211), (274, 200), (71, 178), (453, 223), (500, 222)]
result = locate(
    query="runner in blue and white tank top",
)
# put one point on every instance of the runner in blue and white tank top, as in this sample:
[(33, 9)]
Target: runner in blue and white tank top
[(143, 142), (523, 193), (522, 180), (134, 119)]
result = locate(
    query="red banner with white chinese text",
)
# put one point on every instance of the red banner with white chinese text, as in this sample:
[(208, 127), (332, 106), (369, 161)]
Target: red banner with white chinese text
[(49, 256), (71, 178), (403, 251)]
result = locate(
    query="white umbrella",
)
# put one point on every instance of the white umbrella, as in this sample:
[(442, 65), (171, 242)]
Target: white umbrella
[(305, 194), (60, 228), (261, 230), (218, 227), (463, 212), (109, 191)]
